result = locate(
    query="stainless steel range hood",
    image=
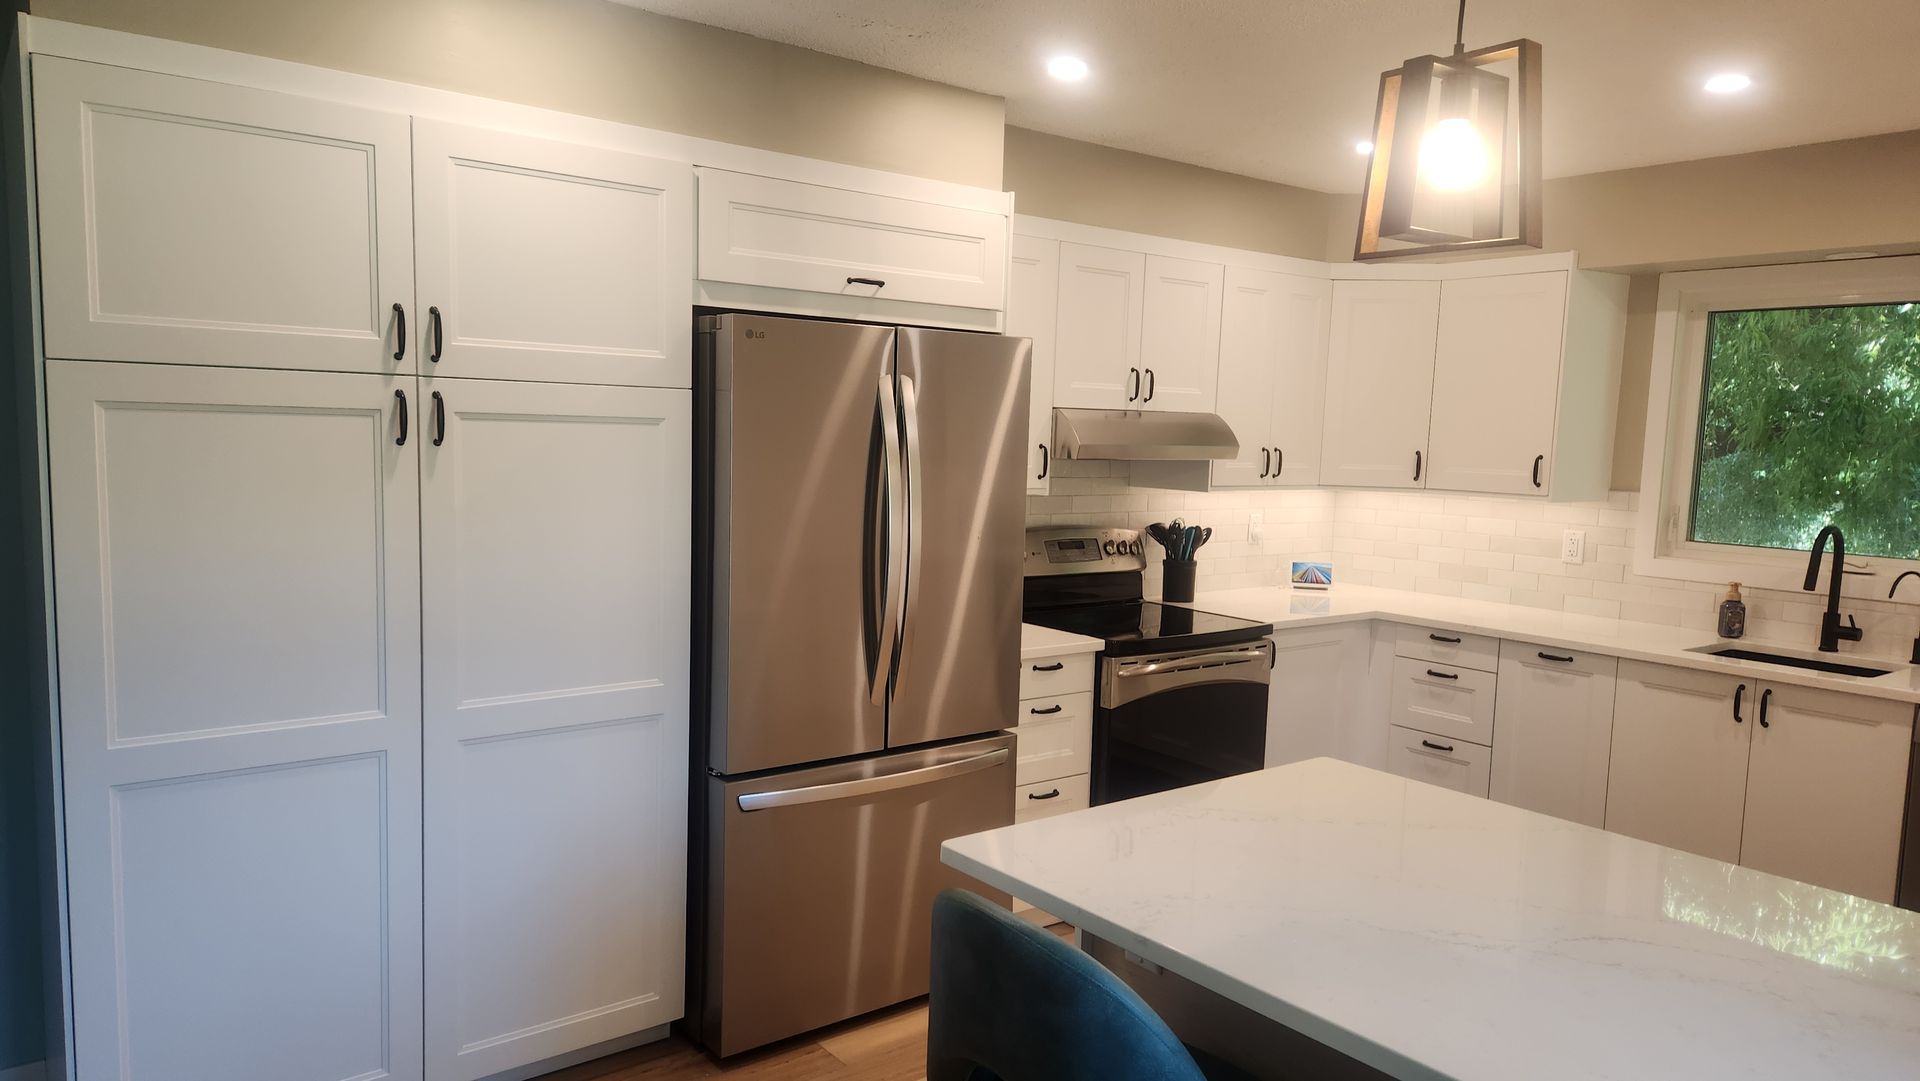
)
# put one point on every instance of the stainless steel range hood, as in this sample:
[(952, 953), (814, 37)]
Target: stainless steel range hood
[(1138, 436)]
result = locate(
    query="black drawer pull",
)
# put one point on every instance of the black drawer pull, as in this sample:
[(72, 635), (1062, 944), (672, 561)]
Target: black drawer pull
[(1738, 693), (1054, 667), (401, 397), (875, 282), (1766, 699), (1432, 746), (1443, 675), (1049, 794), (1416, 465), (1444, 638), (1055, 708), (1538, 460), (439, 419), (433, 314), (399, 331), (1043, 461), (1554, 657)]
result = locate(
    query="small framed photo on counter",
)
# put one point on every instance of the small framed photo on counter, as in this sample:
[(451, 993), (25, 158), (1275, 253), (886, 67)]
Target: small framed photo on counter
[(1310, 575)]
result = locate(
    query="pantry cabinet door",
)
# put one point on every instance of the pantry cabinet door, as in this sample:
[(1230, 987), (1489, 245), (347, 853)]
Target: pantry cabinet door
[(1180, 335), (555, 594), (237, 599), (1678, 773), (1097, 356), (551, 261), (191, 222), (1379, 384), (1033, 293), (1827, 788), (1496, 383)]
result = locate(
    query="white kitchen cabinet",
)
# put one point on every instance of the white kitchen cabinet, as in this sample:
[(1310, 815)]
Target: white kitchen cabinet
[(192, 222), (549, 261), (1553, 713), (237, 589), (1379, 383), (1033, 292), (758, 230), (1273, 367), (1678, 770), (1438, 760), (1316, 701), (1097, 348), (556, 698), (1826, 788), (1442, 699), (1180, 334), (1496, 383)]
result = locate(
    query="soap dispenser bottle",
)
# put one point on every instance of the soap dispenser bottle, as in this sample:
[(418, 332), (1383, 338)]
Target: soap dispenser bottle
[(1733, 613)]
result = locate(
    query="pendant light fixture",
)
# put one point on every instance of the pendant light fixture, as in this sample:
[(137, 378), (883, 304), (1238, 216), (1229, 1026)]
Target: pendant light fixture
[(1456, 153)]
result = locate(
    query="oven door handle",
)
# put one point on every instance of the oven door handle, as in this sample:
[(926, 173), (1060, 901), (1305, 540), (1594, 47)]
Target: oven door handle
[(1238, 656)]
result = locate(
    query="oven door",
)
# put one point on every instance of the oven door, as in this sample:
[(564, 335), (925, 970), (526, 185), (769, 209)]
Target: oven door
[(1169, 720)]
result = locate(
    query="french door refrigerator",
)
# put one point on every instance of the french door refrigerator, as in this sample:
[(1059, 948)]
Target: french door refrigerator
[(860, 500)]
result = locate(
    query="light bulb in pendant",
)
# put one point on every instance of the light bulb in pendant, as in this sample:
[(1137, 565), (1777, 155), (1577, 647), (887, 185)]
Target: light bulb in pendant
[(1453, 157)]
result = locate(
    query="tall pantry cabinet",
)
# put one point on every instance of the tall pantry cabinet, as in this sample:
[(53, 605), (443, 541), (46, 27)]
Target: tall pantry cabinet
[(361, 431)]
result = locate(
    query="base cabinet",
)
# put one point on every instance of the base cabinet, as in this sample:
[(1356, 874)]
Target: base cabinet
[(1553, 714), (1316, 700), (1678, 773), (1439, 760)]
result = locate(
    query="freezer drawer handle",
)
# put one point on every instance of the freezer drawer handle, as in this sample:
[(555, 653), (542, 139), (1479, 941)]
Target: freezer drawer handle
[(866, 786), (1049, 794), (1054, 667)]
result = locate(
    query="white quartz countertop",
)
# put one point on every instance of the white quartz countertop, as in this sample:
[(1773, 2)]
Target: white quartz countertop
[(1435, 935), (1658, 644), (1038, 642)]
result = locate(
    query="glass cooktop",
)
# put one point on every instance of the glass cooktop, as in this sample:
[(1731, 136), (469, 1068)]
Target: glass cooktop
[(1134, 627)]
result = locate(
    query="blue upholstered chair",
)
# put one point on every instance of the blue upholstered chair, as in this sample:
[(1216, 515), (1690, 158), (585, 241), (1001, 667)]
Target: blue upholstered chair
[(1011, 1002)]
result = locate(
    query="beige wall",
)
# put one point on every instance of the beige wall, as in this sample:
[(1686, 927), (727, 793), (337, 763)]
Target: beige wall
[(1055, 177), (603, 60)]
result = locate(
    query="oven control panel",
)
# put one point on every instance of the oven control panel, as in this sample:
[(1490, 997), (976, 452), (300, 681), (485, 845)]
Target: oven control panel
[(1083, 550)]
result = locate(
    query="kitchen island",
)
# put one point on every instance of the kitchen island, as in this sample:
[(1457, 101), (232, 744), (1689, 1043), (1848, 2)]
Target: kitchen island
[(1424, 934)]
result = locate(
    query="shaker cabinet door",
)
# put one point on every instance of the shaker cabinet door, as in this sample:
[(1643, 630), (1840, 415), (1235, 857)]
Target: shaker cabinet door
[(1379, 384), (1180, 335), (1496, 383), (1097, 357), (1033, 294), (1678, 772)]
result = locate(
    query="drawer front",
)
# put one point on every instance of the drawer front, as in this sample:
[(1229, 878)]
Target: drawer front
[(1448, 647), (1032, 802), (756, 230), (1056, 709), (1054, 746), (1443, 699), (1052, 677), (1449, 763)]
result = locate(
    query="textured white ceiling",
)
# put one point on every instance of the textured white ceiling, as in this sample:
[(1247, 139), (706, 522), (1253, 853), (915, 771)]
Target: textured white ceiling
[(1282, 89)]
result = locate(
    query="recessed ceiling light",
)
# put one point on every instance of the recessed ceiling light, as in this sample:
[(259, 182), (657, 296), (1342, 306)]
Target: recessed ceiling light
[(1363, 147), (1067, 69), (1731, 82)]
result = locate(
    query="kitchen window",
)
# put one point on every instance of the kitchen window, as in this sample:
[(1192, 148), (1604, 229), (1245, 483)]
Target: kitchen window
[(1783, 399)]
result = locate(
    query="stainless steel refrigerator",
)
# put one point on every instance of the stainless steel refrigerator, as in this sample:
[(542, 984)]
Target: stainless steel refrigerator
[(861, 500)]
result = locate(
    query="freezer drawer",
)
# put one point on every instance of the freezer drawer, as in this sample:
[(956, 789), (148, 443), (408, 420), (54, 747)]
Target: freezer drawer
[(820, 884)]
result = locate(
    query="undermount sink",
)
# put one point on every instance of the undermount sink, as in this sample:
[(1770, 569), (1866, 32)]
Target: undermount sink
[(1817, 664)]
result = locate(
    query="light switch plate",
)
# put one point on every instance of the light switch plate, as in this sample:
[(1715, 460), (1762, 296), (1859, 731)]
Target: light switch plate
[(1254, 521), (1573, 546)]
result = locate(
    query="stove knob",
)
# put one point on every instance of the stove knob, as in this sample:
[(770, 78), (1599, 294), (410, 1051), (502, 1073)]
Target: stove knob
[(1107, 547), (1136, 547)]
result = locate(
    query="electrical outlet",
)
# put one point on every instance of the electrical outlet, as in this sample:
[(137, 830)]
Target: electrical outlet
[(1254, 521), (1573, 546)]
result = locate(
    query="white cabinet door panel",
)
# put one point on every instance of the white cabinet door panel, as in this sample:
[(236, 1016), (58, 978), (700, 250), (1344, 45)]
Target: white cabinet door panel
[(1553, 716), (1827, 788), (1379, 384), (1097, 354), (1033, 292), (1678, 771), (1252, 319), (203, 223), (555, 593), (1314, 705), (1300, 383), (1180, 334), (239, 647), (550, 261), (1496, 383)]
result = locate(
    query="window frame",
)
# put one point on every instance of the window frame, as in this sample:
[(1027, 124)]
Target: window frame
[(1674, 387)]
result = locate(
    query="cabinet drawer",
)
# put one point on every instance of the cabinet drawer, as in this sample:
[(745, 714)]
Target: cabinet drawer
[(1054, 746), (1051, 677), (1449, 763), (1045, 799), (1055, 709), (1443, 699), (1448, 647), (756, 230)]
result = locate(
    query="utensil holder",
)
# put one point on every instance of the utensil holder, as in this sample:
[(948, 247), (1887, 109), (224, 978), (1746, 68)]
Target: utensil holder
[(1177, 584)]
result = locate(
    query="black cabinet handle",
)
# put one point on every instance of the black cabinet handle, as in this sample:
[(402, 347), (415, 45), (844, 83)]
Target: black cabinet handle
[(1044, 457), (1416, 465), (401, 397), (399, 331), (1149, 384), (1432, 746), (1443, 675), (1554, 657), (1738, 693), (1444, 638), (1049, 794), (1055, 708), (875, 282), (1537, 460), (1279, 461), (1134, 394), (439, 419), (1766, 699), (1054, 667), (1266, 460), (433, 317)]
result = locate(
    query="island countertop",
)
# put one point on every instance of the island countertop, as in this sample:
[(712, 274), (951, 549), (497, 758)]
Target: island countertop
[(1430, 934)]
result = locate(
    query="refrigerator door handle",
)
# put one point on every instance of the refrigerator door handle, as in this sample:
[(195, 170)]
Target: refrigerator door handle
[(910, 422), (866, 786), (893, 600)]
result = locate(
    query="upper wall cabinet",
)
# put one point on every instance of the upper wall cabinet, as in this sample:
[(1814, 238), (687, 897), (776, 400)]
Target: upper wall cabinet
[(1180, 335), (755, 230), (1496, 380), (1273, 364), (1097, 359), (550, 261), (1379, 383), (1033, 293), (194, 222)]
